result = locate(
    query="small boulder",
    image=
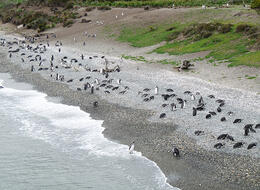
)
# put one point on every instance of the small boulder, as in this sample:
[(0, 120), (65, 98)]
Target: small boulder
[(146, 8), (85, 20)]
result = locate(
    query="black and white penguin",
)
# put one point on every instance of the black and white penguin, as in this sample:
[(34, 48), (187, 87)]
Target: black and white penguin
[(92, 89), (176, 152), (156, 90), (132, 147), (194, 112)]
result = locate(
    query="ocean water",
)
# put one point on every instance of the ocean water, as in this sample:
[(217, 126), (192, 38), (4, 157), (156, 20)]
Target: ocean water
[(49, 145)]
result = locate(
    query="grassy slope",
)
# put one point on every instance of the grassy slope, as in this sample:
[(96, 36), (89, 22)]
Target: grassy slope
[(232, 46)]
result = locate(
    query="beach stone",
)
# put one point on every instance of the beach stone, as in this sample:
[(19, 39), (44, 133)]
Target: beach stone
[(146, 8), (86, 14)]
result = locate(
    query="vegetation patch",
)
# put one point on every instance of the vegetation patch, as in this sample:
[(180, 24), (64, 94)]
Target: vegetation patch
[(251, 59), (224, 41), (134, 58), (255, 4), (166, 62), (142, 37)]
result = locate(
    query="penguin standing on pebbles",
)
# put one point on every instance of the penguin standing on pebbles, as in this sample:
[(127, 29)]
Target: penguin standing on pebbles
[(95, 104), (92, 89), (176, 152)]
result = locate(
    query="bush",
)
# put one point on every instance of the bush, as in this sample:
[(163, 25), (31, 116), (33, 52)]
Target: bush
[(255, 4), (69, 5), (247, 29), (60, 3), (173, 36)]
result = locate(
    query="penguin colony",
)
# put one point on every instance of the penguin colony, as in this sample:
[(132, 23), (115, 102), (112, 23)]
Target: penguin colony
[(32, 53)]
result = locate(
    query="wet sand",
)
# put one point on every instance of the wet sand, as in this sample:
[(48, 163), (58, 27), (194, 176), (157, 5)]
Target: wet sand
[(127, 118)]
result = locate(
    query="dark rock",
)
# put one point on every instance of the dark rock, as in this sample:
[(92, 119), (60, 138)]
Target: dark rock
[(85, 20)]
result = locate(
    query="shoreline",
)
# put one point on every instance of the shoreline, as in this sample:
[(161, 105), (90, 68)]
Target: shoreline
[(123, 124)]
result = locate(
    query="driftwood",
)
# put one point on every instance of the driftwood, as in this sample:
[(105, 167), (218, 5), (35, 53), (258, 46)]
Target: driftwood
[(185, 65), (116, 68), (107, 70)]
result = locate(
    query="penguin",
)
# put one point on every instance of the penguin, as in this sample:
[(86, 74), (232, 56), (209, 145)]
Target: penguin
[(194, 113), (183, 104), (219, 145), (95, 104), (156, 90), (86, 86), (208, 116), (96, 81), (201, 101), (238, 145), (237, 121), (175, 152), (57, 76), (192, 97), (173, 107), (119, 81), (198, 133), (163, 115), (92, 89), (132, 147), (32, 68), (251, 145)]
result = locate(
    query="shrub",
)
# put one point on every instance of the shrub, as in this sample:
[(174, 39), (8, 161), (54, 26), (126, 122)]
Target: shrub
[(247, 29), (173, 36), (255, 4), (69, 5), (152, 28)]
